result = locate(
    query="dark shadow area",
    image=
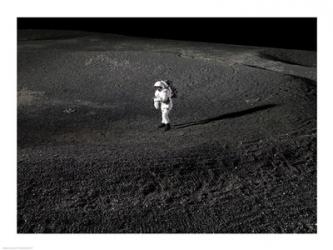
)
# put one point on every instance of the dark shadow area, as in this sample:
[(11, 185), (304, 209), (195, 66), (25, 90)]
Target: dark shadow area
[(292, 57), (226, 116), (276, 59), (307, 81)]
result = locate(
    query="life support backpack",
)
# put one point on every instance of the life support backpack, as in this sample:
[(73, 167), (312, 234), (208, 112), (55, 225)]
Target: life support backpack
[(172, 88)]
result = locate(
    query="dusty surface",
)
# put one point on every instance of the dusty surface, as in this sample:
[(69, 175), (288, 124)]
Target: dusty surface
[(241, 155)]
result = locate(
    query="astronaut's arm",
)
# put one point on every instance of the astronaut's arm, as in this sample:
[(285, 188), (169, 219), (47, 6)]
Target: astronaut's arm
[(156, 102)]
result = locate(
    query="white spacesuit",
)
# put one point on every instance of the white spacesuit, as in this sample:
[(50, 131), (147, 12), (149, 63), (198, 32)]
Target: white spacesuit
[(163, 101)]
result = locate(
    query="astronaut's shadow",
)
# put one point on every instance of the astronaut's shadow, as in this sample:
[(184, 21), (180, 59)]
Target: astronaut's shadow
[(226, 116)]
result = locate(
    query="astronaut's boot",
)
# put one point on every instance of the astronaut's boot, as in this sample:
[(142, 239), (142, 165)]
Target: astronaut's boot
[(167, 127), (162, 125)]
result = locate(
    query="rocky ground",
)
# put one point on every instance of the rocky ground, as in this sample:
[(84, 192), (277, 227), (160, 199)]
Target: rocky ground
[(240, 158)]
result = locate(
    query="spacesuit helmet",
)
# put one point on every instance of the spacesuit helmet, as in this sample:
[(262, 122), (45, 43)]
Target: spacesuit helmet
[(159, 84)]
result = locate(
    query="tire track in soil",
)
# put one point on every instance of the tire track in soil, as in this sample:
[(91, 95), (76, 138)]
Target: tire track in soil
[(221, 191)]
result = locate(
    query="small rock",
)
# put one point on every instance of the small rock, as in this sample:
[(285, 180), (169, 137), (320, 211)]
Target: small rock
[(253, 100), (69, 110)]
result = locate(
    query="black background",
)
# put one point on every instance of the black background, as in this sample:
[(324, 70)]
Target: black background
[(292, 33)]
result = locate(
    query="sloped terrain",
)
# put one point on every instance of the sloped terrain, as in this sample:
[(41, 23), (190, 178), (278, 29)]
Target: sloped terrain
[(241, 155)]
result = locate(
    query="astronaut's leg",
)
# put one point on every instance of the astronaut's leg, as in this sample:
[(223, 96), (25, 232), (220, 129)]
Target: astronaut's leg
[(165, 118)]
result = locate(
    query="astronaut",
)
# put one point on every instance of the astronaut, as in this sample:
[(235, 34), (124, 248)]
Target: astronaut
[(163, 101)]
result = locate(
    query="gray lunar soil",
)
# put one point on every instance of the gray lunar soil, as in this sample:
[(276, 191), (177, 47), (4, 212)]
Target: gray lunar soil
[(240, 157)]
